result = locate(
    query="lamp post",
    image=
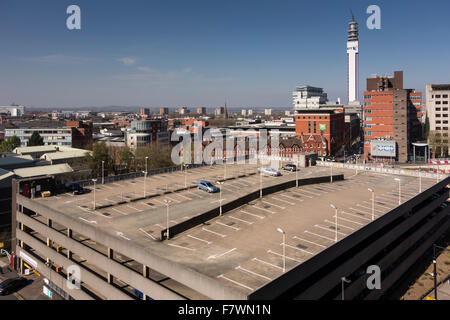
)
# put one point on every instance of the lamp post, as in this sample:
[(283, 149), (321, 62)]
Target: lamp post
[(185, 176), (296, 174), (220, 196), (146, 164), (284, 248), (260, 183), (94, 180), (435, 267), (145, 180), (420, 181), (167, 213), (336, 222), (331, 174), (399, 191), (373, 203), (103, 171), (343, 281)]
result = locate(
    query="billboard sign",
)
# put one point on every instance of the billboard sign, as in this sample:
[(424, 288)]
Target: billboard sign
[(322, 127), (383, 148)]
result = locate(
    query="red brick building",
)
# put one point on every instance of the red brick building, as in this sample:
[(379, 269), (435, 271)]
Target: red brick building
[(81, 133), (324, 125), (392, 113)]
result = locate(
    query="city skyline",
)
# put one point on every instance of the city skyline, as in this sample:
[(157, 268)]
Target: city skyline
[(146, 54)]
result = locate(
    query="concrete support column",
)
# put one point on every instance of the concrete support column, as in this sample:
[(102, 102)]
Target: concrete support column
[(110, 277), (69, 235), (146, 274)]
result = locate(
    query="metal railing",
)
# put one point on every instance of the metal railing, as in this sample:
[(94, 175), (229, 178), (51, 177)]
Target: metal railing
[(372, 168)]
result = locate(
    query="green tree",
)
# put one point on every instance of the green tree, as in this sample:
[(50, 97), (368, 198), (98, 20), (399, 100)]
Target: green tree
[(427, 127), (126, 159), (10, 144), (35, 140), (100, 153)]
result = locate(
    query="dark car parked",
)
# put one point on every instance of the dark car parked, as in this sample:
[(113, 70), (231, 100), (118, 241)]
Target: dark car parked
[(75, 188), (11, 285)]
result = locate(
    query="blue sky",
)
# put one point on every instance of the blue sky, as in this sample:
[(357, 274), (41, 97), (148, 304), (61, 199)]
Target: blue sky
[(203, 52)]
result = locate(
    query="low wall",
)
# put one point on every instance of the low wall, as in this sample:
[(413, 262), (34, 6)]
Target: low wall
[(206, 216)]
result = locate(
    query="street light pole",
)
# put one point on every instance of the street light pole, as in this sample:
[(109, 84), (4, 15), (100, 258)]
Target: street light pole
[(373, 203), (103, 172), (284, 248), (185, 177), (145, 180), (420, 181), (260, 183), (343, 280), (399, 191), (220, 197), (94, 180), (296, 174), (336, 222), (331, 174), (167, 214)]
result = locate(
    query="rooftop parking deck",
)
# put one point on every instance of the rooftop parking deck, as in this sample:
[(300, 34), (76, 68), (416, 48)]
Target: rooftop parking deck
[(242, 249)]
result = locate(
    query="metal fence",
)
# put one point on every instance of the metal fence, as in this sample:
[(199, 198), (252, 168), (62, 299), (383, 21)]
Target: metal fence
[(403, 172), (133, 175)]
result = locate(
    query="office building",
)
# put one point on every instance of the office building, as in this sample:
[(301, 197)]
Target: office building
[(326, 123), (163, 111), (13, 111), (308, 97), (437, 111), (391, 114), (144, 132), (201, 110)]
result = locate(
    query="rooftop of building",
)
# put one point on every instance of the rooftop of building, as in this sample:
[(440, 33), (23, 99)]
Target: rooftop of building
[(43, 170)]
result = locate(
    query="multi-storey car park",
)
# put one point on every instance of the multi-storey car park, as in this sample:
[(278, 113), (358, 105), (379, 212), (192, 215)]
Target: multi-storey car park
[(124, 250)]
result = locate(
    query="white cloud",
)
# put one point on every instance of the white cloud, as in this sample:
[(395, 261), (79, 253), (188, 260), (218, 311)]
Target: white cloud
[(187, 70), (127, 61), (146, 69)]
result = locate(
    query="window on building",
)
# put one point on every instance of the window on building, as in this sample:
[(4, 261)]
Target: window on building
[(444, 102), (437, 96), (445, 96), (438, 102)]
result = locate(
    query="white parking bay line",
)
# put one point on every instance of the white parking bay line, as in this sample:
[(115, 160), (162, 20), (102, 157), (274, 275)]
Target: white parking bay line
[(356, 216), (148, 234), (327, 229), (235, 282), (129, 206), (252, 214), (340, 225), (254, 273), (183, 196), (280, 255), (318, 235), (175, 200), (275, 205), (348, 220), (213, 232), (292, 198), (289, 246), (301, 239), (310, 192), (121, 212), (282, 200), (242, 220), (207, 242), (225, 225), (177, 246), (360, 205), (267, 263), (264, 209), (301, 194)]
